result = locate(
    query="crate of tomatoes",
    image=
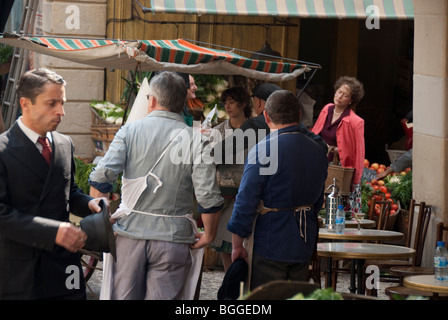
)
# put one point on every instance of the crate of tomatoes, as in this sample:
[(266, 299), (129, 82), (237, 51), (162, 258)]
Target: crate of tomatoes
[(395, 187)]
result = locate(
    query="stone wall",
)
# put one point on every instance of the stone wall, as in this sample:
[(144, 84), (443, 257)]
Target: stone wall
[(84, 83), (430, 156)]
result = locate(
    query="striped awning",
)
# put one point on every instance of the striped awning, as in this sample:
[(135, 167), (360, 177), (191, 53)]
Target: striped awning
[(157, 55), (358, 9)]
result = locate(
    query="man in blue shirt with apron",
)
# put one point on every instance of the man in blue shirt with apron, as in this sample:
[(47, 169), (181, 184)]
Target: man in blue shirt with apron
[(280, 195)]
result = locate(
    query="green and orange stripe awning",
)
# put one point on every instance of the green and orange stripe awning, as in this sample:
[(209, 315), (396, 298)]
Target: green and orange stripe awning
[(388, 9), (157, 55)]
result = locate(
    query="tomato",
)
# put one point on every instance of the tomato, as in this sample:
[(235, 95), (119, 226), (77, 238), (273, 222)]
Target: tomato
[(375, 187), (383, 189), (374, 166), (382, 166), (392, 212), (378, 197), (369, 203), (374, 181), (366, 163), (394, 206), (380, 170), (407, 170), (381, 182), (387, 195)]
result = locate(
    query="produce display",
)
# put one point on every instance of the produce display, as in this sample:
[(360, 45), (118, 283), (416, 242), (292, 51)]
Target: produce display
[(395, 187), (111, 113), (209, 91)]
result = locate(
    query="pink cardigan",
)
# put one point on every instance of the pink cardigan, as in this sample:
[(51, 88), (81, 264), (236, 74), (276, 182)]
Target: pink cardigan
[(350, 139)]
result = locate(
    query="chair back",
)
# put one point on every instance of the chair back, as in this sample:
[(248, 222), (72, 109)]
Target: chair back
[(383, 217), (441, 228), (423, 217)]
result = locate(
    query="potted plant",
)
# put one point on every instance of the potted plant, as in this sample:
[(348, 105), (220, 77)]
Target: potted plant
[(6, 53)]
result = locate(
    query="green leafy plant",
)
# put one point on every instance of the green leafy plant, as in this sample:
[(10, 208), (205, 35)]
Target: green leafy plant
[(138, 77), (366, 194), (82, 173), (6, 53), (401, 188)]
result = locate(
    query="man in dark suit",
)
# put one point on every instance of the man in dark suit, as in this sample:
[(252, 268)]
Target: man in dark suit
[(38, 245)]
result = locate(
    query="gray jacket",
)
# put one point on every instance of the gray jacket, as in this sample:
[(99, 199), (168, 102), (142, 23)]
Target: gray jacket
[(135, 149)]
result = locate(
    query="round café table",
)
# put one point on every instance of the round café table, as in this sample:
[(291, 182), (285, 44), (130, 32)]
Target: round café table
[(352, 223), (426, 283), (361, 235), (365, 223), (358, 252)]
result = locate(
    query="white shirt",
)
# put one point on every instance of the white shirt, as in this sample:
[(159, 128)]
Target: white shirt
[(32, 135)]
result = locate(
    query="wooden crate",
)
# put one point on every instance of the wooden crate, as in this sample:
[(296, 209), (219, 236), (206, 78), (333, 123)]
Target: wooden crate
[(344, 177), (211, 258), (102, 133)]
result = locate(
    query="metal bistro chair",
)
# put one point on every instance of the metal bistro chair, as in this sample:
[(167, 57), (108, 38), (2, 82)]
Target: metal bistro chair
[(401, 272), (423, 217)]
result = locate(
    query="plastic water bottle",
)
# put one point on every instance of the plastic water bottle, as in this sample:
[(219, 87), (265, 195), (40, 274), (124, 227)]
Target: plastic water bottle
[(440, 262), (340, 220)]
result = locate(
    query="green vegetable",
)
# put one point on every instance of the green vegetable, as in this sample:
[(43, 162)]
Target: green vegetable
[(366, 194), (82, 173), (6, 53), (401, 188)]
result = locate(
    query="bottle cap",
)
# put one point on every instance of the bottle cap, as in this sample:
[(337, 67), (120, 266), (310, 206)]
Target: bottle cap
[(440, 243), (340, 206)]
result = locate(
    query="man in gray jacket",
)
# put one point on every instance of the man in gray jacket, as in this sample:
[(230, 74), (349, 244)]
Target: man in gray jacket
[(162, 170)]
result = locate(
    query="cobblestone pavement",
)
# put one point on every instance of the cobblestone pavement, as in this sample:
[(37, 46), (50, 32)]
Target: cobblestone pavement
[(211, 281)]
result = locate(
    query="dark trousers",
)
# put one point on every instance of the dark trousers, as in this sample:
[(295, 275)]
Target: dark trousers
[(264, 270)]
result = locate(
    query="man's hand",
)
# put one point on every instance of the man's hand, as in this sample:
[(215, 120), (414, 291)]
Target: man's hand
[(94, 204), (238, 250), (210, 221), (201, 241), (70, 237)]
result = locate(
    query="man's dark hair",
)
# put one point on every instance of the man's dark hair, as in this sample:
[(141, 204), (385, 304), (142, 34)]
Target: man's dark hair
[(283, 107), (32, 82)]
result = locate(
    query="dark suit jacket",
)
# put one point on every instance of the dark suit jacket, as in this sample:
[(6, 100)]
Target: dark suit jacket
[(34, 199)]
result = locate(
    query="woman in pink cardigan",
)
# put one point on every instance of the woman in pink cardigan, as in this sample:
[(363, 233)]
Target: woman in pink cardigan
[(343, 131)]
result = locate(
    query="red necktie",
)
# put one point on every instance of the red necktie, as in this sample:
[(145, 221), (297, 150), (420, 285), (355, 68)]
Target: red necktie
[(46, 150)]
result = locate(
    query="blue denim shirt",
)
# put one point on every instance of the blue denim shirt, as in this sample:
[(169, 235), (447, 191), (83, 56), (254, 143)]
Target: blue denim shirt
[(297, 179), (134, 151)]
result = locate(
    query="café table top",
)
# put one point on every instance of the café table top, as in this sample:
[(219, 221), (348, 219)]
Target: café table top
[(427, 283), (361, 250), (365, 223), (361, 235)]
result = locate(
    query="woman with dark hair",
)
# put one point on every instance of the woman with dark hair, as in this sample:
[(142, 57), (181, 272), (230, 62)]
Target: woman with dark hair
[(238, 106), (236, 101), (343, 131)]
